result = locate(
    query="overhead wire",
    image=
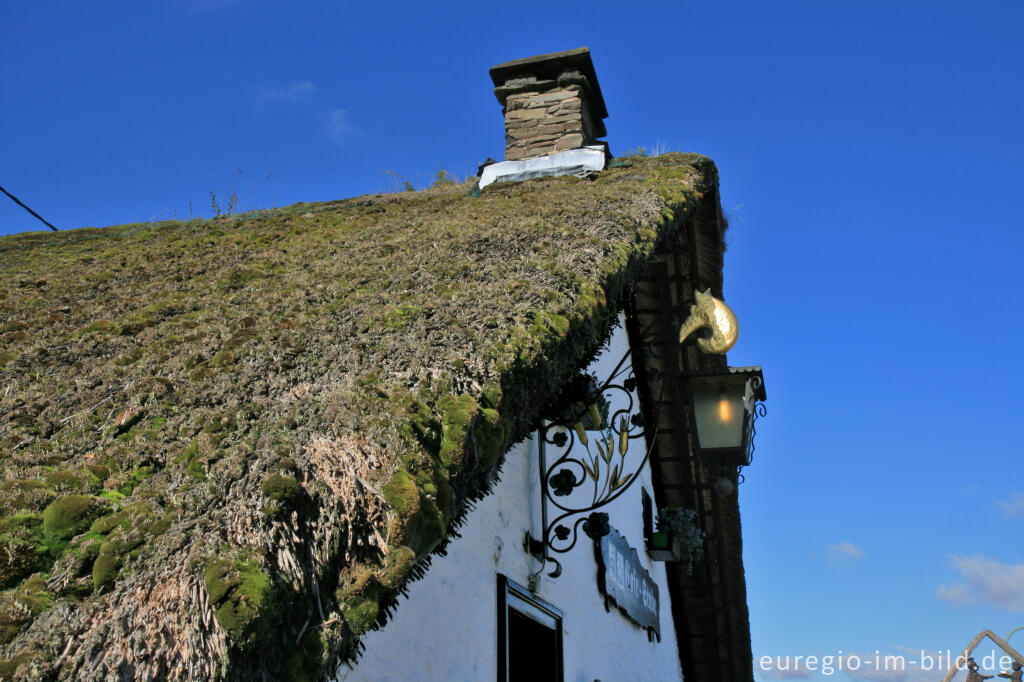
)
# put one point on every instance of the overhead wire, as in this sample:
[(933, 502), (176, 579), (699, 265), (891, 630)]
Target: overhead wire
[(19, 203)]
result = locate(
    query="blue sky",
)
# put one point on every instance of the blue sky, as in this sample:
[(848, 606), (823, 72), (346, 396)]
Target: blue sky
[(870, 156)]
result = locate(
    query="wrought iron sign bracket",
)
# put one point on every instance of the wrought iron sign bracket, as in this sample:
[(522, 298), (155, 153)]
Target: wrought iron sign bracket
[(592, 439)]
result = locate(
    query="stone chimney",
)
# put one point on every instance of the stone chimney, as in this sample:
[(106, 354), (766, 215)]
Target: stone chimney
[(552, 103)]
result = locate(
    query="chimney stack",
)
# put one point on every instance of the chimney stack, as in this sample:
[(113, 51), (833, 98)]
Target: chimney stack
[(552, 103)]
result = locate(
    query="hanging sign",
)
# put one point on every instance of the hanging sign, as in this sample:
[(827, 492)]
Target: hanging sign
[(624, 581)]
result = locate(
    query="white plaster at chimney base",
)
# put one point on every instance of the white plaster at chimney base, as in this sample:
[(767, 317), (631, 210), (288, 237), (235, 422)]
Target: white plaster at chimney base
[(570, 162)]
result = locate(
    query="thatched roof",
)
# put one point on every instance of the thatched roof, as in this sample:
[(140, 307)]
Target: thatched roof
[(227, 445)]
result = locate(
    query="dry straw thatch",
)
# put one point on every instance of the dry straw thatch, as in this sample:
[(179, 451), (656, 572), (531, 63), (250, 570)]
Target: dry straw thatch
[(227, 445)]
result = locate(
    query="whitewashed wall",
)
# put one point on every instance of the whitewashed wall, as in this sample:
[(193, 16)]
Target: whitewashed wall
[(446, 629)]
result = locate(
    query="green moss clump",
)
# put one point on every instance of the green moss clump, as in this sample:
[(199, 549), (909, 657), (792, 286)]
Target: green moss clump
[(492, 395), (105, 524), (491, 434), (241, 592), (101, 472), (401, 494), (99, 327), (220, 579), (591, 300), (402, 315), (280, 488), (122, 541), (457, 413), (67, 480), (426, 483), (360, 613), (104, 570), (443, 497), (89, 547), (188, 454), (305, 663), (419, 523), (66, 517), (426, 529), (19, 494), (23, 548), (112, 496), (397, 566), (196, 470), (135, 478), (160, 526), (420, 428), (223, 358), (237, 616), (111, 540), (20, 606), (545, 325), (360, 601)]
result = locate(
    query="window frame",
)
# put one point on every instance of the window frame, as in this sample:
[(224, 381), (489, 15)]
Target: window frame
[(518, 598)]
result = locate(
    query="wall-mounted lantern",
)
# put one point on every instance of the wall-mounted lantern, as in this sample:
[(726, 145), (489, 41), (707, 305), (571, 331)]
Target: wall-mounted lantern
[(723, 408), (723, 405)]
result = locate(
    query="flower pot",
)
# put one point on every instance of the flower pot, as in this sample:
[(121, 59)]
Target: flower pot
[(663, 547)]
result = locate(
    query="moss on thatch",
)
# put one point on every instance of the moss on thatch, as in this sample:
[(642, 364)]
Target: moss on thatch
[(65, 518), (251, 432)]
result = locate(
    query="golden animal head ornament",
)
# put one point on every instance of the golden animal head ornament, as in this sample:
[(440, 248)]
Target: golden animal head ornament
[(710, 312)]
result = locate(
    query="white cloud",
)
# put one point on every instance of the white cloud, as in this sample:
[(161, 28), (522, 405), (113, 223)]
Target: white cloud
[(1014, 507), (339, 128), (989, 581), (290, 92), (954, 594), (844, 550)]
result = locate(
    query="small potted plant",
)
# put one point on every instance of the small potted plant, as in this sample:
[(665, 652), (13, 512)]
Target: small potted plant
[(677, 537)]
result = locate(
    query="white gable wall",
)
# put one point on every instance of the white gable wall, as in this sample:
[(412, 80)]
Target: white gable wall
[(447, 627)]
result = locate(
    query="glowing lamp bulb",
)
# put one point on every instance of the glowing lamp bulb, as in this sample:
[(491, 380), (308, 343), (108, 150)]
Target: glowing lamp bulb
[(724, 408)]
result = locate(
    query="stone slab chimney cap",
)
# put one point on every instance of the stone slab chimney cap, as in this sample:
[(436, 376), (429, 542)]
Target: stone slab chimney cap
[(550, 67)]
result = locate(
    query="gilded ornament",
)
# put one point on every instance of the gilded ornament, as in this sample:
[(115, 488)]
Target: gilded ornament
[(714, 314)]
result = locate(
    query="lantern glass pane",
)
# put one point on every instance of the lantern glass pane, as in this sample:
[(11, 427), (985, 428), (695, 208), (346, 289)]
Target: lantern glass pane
[(718, 405)]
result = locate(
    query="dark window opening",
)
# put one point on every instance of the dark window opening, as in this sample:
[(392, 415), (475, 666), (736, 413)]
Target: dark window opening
[(529, 636)]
